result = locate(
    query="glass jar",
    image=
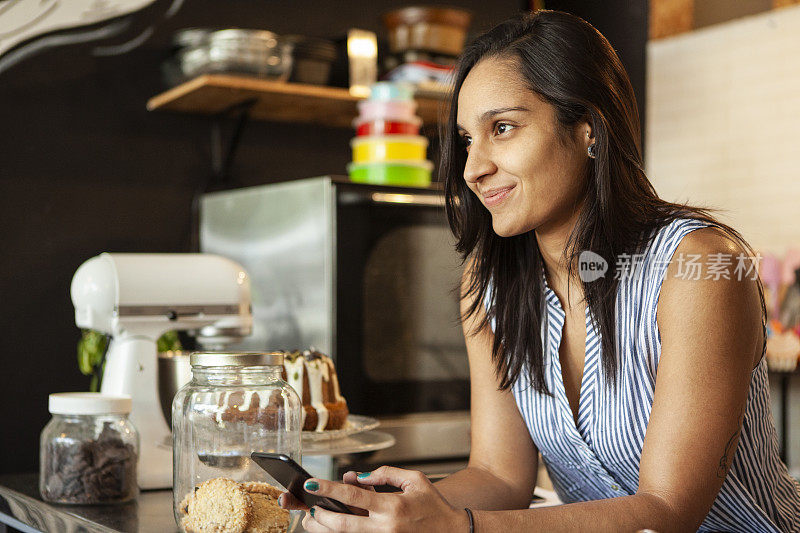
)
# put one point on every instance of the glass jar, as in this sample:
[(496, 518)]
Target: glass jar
[(88, 450), (235, 404)]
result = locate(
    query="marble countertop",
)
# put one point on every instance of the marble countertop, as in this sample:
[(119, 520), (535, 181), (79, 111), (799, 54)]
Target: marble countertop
[(21, 507)]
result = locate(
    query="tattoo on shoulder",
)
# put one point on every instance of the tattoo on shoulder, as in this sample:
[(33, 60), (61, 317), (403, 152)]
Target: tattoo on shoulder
[(727, 457)]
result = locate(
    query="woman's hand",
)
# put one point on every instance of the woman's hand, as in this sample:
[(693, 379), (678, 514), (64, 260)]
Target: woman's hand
[(418, 508), (289, 502)]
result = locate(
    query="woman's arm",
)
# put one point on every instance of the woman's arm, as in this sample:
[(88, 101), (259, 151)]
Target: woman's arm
[(503, 459)]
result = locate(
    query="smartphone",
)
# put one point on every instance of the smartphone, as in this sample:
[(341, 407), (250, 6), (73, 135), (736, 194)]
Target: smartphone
[(292, 476)]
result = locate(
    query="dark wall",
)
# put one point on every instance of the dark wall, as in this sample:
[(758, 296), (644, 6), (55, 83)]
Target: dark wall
[(86, 169), (625, 24)]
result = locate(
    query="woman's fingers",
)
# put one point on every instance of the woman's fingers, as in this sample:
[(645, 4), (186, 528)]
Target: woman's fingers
[(351, 478), (396, 477), (331, 521), (312, 526), (347, 494), (288, 501)]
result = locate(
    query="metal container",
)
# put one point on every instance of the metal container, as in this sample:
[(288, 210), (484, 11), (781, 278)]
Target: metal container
[(191, 37), (174, 371), (234, 51), (433, 29), (311, 59)]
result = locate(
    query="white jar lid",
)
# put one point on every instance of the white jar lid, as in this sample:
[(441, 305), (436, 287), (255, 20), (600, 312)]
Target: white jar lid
[(89, 403)]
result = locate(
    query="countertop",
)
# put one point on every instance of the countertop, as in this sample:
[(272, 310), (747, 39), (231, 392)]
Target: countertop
[(21, 506)]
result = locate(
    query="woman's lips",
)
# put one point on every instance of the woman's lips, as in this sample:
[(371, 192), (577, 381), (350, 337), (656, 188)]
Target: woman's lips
[(493, 197)]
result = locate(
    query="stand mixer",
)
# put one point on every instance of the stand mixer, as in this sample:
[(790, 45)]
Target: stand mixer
[(135, 298)]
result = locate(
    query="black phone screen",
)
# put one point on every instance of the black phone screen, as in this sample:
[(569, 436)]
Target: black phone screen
[(292, 476)]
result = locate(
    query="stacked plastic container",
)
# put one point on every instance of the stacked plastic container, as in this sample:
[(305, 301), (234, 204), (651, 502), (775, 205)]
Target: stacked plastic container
[(387, 148)]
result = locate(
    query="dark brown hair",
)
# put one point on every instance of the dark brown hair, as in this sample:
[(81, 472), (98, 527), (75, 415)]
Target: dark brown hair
[(569, 64)]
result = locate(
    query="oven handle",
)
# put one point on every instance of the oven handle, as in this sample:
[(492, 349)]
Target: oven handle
[(427, 200), (403, 198)]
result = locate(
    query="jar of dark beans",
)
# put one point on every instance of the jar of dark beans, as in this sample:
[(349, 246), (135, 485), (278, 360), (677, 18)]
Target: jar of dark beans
[(88, 450)]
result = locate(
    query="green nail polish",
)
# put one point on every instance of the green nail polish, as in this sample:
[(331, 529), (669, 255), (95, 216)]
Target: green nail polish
[(312, 486), (312, 512), (363, 475)]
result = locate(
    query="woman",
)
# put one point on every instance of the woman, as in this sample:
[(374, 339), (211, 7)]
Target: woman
[(644, 388)]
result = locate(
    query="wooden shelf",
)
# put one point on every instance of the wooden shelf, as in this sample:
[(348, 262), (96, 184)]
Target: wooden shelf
[(274, 101)]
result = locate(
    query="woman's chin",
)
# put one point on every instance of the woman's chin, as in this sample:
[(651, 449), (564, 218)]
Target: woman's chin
[(504, 229)]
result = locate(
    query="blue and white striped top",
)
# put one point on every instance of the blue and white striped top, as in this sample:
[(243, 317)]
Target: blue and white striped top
[(599, 458)]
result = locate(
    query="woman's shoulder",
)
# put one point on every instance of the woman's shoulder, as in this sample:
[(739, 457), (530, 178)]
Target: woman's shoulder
[(695, 236), (690, 236)]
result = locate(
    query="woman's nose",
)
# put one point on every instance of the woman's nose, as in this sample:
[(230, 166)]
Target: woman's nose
[(479, 163)]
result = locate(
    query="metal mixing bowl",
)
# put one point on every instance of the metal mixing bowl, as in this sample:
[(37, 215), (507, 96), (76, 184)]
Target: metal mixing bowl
[(174, 371)]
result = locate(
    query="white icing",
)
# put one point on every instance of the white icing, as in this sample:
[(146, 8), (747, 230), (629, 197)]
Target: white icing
[(294, 375), (248, 400), (315, 376), (337, 393), (317, 369), (223, 408), (287, 410)]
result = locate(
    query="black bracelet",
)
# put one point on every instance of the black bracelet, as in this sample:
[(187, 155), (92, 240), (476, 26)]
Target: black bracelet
[(471, 520)]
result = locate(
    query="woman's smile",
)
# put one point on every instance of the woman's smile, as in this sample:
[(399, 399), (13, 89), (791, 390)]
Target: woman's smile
[(495, 196)]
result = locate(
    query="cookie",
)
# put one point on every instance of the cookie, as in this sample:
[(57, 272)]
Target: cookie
[(261, 488), (218, 506), (268, 517), (184, 506)]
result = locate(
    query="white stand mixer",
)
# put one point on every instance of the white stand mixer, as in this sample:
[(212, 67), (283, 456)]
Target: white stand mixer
[(136, 298)]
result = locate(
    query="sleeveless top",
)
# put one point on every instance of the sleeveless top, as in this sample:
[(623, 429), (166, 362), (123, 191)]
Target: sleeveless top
[(599, 457)]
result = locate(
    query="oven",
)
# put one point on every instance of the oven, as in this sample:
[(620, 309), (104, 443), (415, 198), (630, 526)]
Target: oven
[(369, 275)]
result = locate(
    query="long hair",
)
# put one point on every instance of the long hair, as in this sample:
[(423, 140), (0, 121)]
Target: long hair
[(571, 66)]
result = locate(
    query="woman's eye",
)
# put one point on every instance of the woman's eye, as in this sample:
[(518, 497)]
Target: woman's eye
[(466, 140), (502, 128)]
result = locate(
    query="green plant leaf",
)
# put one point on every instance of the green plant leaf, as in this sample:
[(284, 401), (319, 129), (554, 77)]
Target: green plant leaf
[(169, 341)]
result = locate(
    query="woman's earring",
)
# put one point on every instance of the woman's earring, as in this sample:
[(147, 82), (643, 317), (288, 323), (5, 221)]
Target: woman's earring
[(592, 151)]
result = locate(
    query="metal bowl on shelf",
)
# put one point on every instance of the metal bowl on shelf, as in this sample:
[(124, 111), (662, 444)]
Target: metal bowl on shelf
[(191, 37), (311, 59), (257, 53)]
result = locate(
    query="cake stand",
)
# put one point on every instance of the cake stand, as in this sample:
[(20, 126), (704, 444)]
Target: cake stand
[(366, 441), (356, 437)]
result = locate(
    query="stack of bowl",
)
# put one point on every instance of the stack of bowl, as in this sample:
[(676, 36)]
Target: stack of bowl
[(388, 149), (258, 53)]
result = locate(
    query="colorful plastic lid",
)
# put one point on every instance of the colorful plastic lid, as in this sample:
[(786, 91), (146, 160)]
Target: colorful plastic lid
[(376, 139), (422, 164), (389, 90), (392, 172), (415, 120)]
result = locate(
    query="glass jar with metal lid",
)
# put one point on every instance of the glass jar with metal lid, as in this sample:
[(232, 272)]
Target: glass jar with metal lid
[(235, 404)]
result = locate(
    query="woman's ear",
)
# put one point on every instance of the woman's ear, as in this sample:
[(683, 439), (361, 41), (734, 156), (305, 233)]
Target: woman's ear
[(584, 132), (587, 127)]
